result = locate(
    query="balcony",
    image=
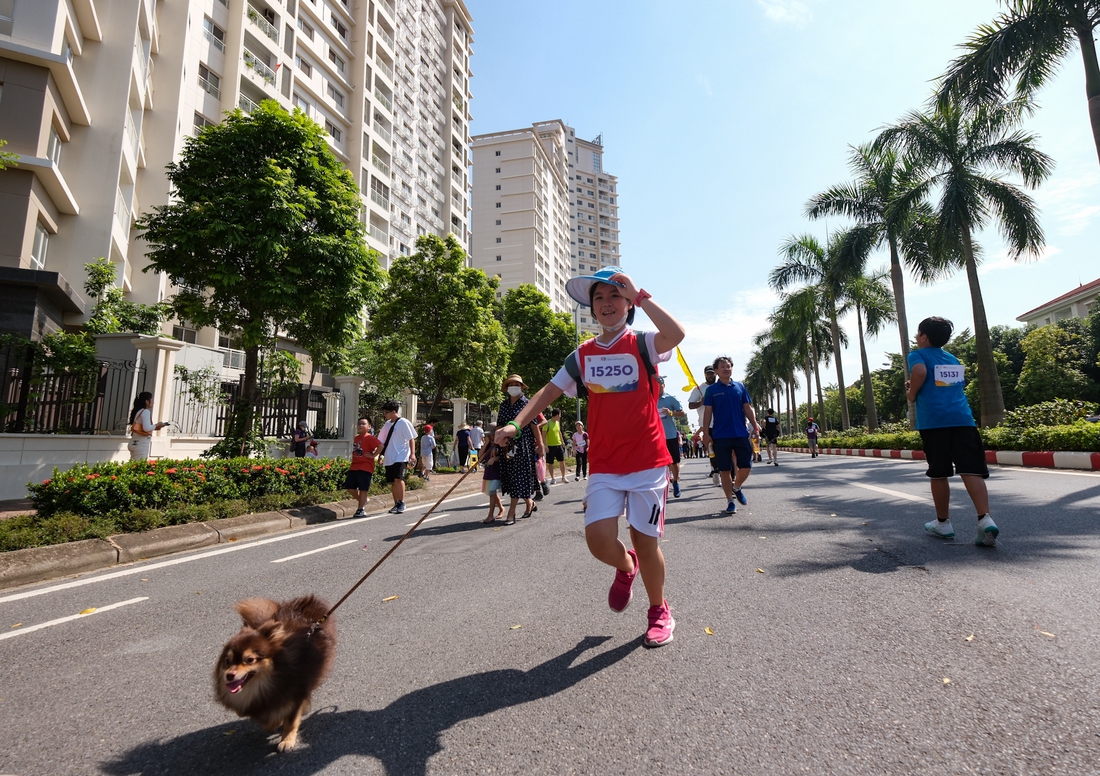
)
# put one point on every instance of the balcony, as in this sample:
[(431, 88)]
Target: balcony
[(382, 98), (379, 234), (386, 37), (122, 212), (268, 28), (232, 359), (402, 132), (384, 67), (210, 88), (380, 199), (401, 226), (254, 63), (380, 165), (383, 133), (248, 106), (403, 163), (214, 41), (386, 4)]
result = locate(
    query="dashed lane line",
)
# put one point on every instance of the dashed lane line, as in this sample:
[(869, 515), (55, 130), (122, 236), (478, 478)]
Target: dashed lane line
[(70, 618), (311, 552), (887, 491), (143, 568)]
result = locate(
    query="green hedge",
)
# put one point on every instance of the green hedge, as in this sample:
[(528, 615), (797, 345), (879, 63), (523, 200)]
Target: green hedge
[(1081, 436)]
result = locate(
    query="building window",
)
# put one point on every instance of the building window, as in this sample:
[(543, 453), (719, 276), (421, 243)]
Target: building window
[(333, 130), (211, 31), (498, 153), (185, 333), (41, 243), (53, 148), (301, 103), (498, 204), (596, 162), (341, 30), (305, 67), (498, 258), (7, 16), (209, 82), (498, 222), (498, 239), (498, 187), (498, 169), (201, 122), (337, 97), (303, 25), (336, 60)]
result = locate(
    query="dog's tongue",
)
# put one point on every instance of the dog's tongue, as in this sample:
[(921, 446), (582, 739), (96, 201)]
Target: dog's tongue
[(236, 684)]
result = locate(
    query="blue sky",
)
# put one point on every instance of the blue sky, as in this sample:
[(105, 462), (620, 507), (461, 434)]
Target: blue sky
[(722, 118)]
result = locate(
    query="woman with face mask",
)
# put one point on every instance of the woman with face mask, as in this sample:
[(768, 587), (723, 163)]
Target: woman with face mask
[(517, 466)]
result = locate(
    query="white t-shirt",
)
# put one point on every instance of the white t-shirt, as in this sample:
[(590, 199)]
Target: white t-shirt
[(697, 396), (145, 418), (569, 386), (476, 437), (398, 450)]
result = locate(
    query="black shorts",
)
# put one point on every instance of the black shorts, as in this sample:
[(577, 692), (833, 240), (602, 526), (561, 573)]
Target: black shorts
[(554, 453), (954, 450), (357, 479), (673, 449), (725, 450), (396, 471)]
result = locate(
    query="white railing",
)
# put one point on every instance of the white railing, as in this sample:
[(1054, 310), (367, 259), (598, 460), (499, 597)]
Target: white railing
[(262, 70), (379, 199), (209, 88), (384, 133), (122, 213), (386, 37), (403, 163), (217, 43), (383, 98), (131, 133), (269, 28), (384, 67), (247, 105), (377, 233), (381, 165)]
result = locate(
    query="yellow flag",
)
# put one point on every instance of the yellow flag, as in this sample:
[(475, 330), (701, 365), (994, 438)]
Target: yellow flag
[(687, 371)]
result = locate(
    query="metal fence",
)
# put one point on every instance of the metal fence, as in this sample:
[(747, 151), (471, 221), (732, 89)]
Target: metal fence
[(35, 399), (205, 410)]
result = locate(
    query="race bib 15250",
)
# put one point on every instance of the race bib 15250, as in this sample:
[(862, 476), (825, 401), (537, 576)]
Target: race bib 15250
[(615, 373), (949, 374)]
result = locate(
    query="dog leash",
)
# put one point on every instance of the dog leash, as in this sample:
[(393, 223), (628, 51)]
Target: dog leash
[(313, 628)]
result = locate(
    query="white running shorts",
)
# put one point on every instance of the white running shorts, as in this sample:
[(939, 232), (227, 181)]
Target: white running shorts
[(642, 494)]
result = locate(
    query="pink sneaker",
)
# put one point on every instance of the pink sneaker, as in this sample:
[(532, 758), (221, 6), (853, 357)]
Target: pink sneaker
[(618, 598), (661, 626)]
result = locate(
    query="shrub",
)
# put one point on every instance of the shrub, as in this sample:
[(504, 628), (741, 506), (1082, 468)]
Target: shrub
[(1081, 436), (141, 520), (1060, 412)]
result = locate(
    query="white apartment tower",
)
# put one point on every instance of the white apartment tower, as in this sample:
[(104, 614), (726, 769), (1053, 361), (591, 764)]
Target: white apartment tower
[(98, 96), (543, 210)]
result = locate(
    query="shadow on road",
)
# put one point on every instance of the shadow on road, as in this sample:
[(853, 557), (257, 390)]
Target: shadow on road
[(403, 736)]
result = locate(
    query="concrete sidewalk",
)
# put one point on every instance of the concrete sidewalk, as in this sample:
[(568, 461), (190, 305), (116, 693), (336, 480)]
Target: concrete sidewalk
[(38, 564)]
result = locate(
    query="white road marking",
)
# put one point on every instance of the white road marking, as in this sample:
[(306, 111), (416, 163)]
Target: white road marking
[(887, 491), (70, 618), (1037, 470), (311, 552), (430, 519), (141, 569)]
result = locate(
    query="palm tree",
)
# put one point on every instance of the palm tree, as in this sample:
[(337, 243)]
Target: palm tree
[(829, 269), (870, 297), (882, 178), (1027, 43), (960, 152), (784, 348), (799, 323)]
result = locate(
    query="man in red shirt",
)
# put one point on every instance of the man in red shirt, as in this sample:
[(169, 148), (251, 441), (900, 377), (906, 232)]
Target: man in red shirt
[(364, 447)]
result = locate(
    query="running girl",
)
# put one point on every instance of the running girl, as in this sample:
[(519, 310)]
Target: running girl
[(629, 462)]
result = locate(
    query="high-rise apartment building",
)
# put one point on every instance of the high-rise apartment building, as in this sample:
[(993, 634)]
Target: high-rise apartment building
[(543, 210), (97, 97)]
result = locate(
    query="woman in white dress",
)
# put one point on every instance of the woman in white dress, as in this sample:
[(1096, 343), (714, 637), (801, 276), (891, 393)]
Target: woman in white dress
[(142, 427)]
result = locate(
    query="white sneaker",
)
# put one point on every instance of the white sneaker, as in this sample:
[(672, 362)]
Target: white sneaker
[(987, 532), (553, 481), (716, 479), (564, 480), (942, 530)]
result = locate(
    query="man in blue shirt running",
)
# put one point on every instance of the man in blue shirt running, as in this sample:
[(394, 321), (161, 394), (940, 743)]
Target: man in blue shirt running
[(669, 407), (946, 425), (728, 404)]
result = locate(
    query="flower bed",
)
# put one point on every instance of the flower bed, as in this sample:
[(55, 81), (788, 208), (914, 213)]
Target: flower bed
[(1081, 436)]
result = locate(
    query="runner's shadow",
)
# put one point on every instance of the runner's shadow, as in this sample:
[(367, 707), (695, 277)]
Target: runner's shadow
[(403, 736)]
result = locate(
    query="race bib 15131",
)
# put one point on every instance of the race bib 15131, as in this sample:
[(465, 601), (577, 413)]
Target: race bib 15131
[(614, 373), (949, 374)]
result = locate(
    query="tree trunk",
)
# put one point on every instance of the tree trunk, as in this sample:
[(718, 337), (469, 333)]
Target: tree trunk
[(792, 406), (250, 394), (868, 389), (809, 389), (820, 396), (989, 382), (897, 280), (845, 423), (1092, 80)]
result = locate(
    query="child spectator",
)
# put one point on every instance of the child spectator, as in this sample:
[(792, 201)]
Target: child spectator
[(364, 447), (492, 481), (427, 452)]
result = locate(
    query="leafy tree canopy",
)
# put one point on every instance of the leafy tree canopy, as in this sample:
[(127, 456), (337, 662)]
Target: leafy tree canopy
[(541, 339), (112, 312), (7, 159), (445, 312)]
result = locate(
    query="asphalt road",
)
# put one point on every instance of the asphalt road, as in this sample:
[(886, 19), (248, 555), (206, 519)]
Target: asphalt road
[(845, 641)]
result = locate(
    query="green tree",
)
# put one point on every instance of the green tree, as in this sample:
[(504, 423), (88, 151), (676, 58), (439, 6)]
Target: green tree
[(112, 312), (540, 339), (870, 297), (7, 159), (877, 200), (1051, 367), (387, 362), (1024, 47), (263, 236), (889, 383), (961, 153), (829, 268), (446, 312)]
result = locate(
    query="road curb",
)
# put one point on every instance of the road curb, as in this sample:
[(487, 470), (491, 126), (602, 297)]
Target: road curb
[(1028, 460), (39, 564)]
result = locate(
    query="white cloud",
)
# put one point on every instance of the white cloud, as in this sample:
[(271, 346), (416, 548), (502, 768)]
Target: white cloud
[(787, 11), (1079, 219), (1069, 202), (1003, 261), (703, 81)]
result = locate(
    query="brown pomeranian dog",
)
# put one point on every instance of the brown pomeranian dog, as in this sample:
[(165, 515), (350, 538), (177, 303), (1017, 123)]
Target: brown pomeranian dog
[(268, 671)]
